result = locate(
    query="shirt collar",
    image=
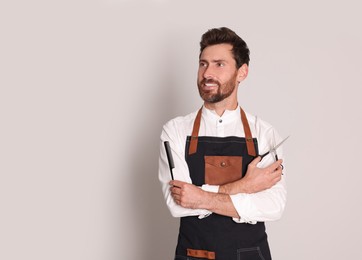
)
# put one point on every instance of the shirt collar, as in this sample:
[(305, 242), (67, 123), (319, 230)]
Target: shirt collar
[(229, 115)]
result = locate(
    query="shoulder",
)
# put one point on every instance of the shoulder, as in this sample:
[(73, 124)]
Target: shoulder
[(180, 122), (179, 127)]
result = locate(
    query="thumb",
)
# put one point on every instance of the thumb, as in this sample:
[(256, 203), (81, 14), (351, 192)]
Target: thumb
[(175, 183), (255, 161)]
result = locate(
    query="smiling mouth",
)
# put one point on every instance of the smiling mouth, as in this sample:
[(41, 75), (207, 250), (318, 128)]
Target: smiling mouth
[(209, 85)]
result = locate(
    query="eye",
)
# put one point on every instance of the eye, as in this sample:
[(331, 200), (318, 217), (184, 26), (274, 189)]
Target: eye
[(220, 64), (202, 64)]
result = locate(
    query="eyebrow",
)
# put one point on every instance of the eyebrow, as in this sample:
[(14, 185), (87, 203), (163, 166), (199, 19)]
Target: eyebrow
[(213, 61)]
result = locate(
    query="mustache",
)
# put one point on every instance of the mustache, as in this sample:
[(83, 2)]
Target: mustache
[(208, 81)]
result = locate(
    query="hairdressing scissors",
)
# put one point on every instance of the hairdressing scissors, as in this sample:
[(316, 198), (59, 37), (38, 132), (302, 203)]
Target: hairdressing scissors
[(274, 149)]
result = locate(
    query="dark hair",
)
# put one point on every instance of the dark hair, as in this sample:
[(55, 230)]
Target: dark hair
[(225, 35)]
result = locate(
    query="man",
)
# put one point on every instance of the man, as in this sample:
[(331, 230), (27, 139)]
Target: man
[(223, 192)]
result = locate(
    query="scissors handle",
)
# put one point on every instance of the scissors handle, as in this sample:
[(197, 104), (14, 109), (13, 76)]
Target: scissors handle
[(265, 154)]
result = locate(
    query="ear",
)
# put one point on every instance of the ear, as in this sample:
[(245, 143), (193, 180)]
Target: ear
[(243, 72)]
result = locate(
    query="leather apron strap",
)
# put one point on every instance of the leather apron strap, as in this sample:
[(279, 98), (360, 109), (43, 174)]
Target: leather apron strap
[(248, 137), (195, 133)]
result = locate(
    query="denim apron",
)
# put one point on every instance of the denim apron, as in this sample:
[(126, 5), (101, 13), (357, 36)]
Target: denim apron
[(218, 160)]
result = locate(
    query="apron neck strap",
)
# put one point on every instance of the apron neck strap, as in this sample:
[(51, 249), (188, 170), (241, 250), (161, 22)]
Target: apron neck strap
[(195, 133), (248, 137)]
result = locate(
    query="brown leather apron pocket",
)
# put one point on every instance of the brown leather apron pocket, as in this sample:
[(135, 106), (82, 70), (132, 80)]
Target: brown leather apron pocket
[(222, 169)]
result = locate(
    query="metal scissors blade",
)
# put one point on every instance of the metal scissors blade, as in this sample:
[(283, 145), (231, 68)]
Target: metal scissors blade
[(274, 148)]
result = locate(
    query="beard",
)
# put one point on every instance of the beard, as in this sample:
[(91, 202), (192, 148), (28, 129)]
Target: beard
[(222, 92)]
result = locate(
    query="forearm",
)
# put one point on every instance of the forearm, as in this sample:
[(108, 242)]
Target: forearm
[(256, 179), (267, 205), (220, 204), (190, 196), (234, 188)]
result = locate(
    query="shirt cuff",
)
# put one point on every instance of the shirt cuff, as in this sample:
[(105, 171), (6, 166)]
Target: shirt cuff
[(201, 216), (243, 206), (210, 188)]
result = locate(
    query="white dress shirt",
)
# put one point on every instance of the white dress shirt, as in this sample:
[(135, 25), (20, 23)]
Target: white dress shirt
[(266, 205)]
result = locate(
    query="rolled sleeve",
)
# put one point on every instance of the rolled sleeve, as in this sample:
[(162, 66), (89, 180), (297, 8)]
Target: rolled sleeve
[(262, 206), (244, 206)]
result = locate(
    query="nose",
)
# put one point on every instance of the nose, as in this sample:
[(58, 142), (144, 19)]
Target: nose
[(208, 73)]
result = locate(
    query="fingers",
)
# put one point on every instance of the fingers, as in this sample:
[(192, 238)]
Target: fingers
[(276, 174), (176, 194), (275, 165), (176, 188), (180, 192), (176, 183)]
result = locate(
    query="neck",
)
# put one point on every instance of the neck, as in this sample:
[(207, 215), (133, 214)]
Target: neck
[(221, 106)]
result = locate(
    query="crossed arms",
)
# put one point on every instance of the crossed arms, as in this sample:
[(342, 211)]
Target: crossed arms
[(256, 180), (259, 196)]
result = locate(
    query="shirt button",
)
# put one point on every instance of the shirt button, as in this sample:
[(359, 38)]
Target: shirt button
[(220, 120)]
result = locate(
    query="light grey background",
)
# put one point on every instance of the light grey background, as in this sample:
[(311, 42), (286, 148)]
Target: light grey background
[(87, 85)]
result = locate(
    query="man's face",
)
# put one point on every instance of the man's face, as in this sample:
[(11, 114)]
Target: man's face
[(217, 75)]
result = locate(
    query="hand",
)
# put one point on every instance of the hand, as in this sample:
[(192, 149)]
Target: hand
[(256, 179), (187, 195)]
